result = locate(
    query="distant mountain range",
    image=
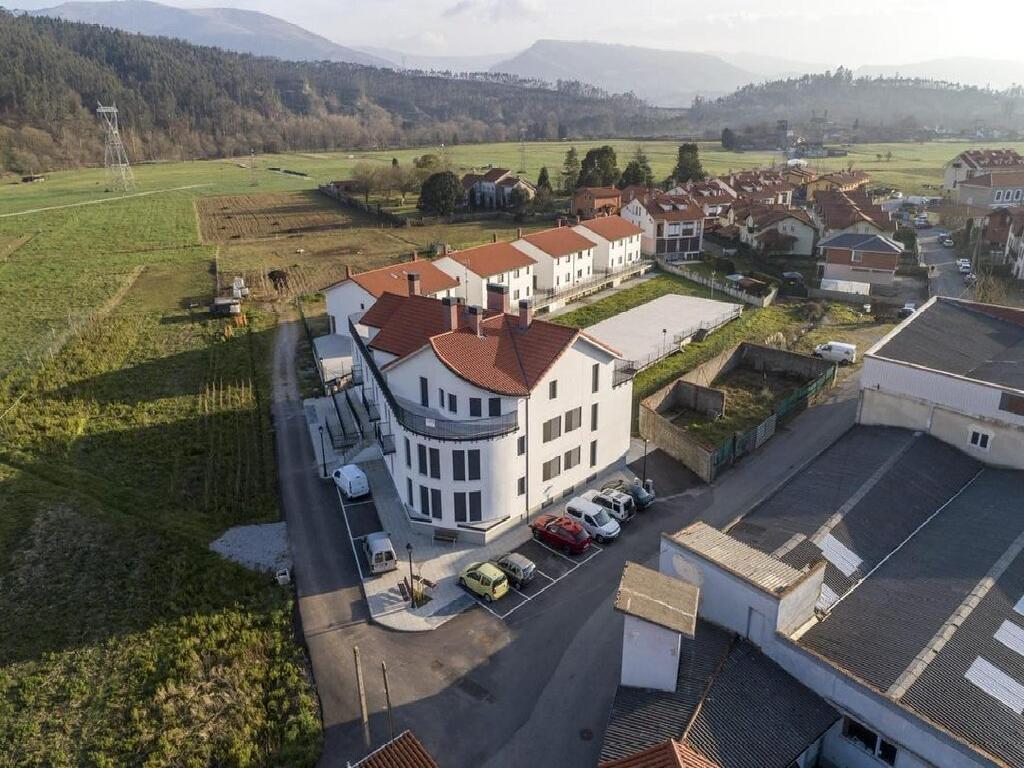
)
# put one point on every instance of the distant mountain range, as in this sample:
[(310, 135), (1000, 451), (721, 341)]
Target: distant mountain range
[(426, 62), (969, 71), (227, 28)]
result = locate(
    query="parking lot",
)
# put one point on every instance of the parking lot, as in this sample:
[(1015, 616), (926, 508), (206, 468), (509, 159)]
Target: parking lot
[(552, 567), (360, 518)]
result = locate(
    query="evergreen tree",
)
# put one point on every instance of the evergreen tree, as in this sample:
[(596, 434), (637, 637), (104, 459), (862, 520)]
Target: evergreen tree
[(688, 167), (441, 194), (571, 171), (634, 174), (728, 139), (544, 180), (599, 168)]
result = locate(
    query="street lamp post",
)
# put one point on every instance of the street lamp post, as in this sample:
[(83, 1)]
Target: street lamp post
[(645, 463), (323, 450), (412, 586)]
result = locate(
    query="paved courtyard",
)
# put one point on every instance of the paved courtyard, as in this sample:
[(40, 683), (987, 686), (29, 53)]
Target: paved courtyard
[(653, 330)]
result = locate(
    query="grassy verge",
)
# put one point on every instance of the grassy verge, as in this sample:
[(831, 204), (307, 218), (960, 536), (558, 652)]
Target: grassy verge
[(628, 298)]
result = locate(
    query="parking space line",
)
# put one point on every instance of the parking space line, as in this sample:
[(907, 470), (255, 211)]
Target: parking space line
[(359, 503), (348, 529), (555, 551)]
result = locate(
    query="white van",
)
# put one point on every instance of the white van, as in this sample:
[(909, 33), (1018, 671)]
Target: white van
[(837, 352), (379, 552), (352, 481), (595, 520)]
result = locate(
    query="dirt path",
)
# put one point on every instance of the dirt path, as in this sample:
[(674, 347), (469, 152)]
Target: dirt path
[(101, 200), (285, 378)]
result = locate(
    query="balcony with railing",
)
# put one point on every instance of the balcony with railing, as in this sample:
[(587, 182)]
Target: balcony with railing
[(601, 278), (424, 421)]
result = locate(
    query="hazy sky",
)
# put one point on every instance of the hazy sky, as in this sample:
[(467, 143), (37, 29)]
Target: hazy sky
[(850, 32)]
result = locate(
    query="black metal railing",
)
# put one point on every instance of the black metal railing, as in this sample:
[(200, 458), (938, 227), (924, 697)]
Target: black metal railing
[(431, 426)]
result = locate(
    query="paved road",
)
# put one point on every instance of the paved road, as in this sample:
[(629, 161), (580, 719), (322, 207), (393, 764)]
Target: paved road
[(478, 691), (945, 280)]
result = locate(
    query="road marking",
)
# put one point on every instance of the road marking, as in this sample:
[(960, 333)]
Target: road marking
[(351, 541)]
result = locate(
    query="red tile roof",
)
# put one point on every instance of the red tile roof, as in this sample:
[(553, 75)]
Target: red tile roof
[(670, 754), (560, 241), (999, 180), (406, 323), (612, 227), (394, 278), (991, 158), (492, 259), (406, 751), (494, 174)]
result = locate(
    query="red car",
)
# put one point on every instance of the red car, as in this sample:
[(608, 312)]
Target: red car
[(561, 533)]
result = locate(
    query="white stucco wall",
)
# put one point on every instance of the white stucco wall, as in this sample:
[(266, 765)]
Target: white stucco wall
[(650, 655), (561, 272), (345, 299), (611, 254)]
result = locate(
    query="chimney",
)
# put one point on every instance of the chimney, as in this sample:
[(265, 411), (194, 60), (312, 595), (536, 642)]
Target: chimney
[(415, 256), (451, 313), (519, 233), (494, 237), (561, 221), (497, 298), (475, 316), (578, 218), (525, 314), (413, 279)]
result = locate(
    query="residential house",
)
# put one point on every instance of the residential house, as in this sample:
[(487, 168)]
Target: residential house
[(493, 189), (1013, 255), (485, 415), (617, 242), (564, 258), (860, 258), (359, 291), (1000, 228), (588, 202), (713, 196), (954, 370), (979, 162), (840, 181), (775, 231), (839, 212), (673, 225), (765, 187), (500, 263), (992, 190), (800, 176)]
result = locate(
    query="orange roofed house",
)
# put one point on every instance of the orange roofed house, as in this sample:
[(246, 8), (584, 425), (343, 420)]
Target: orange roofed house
[(673, 225), (860, 258), (588, 202)]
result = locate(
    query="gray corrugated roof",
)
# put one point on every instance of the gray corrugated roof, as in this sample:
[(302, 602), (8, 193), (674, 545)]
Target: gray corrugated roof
[(858, 242), (657, 598), (758, 568), (754, 715), (963, 339)]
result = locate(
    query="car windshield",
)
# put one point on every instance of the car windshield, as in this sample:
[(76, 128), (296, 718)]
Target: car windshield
[(580, 535), (628, 504), (601, 518), (499, 581)]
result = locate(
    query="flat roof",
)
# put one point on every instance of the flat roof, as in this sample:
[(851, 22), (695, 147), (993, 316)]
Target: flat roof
[(657, 598), (982, 342)]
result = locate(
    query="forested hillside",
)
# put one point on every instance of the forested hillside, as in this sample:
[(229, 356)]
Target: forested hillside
[(183, 101)]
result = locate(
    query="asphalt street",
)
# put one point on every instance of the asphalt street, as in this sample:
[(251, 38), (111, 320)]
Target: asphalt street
[(946, 279), (534, 688)]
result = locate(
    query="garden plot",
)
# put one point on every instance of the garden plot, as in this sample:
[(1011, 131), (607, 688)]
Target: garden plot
[(251, 217)]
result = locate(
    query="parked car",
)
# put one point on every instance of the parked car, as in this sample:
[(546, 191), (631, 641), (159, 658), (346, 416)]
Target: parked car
[(946, 241), (641, 496), (484, 579), (964, 267), (620, 505), (379, 553), (837, 352), (351, 480), (518, 569), (561, 533), (906, 310), (595, 520)]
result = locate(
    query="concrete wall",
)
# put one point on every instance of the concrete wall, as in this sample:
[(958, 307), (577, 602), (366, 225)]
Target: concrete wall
[(746, 298), (781, 361), (858, 274), (694, 397), (675, 442), (650, 655)]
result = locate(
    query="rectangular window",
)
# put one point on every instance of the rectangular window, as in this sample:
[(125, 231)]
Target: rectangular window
[(521, 485), (595, 377), (424, 390), (552, 429), (460, 507), (440, 398), (453, 403), (980, 439), (408, 454), (421, 455), (474, 407), (476, 512), (855, 256), (425, 500), (458, 465), (593, 417), (435, 463), (521, 445), (552, 389), (887, 752), (494, 406), (435, 503), (593, 453), (408, 492), (861, 735), (552, 468), (573, 419), (572, 458), (474, 464)]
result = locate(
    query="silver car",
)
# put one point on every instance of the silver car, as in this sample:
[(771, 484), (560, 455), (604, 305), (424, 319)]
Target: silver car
[(518, 569)]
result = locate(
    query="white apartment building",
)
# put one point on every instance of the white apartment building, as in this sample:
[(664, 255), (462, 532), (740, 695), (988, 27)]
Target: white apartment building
[(487, 415), (954, 369), (564, 258), (499, 263), (617, 241), (359, 291), (673, 226)]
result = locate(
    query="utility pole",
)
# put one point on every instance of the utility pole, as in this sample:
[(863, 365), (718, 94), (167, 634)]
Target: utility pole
[(115, 158), (387, 699), (362, 697)]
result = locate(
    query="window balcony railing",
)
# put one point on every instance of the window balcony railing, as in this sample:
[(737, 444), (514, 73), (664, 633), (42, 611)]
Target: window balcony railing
[(425, 424)]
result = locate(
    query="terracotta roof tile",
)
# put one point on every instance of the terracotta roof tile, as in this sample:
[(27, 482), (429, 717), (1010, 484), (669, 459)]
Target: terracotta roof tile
[(670, 754), (559, 241), (991, 158), (406, 323), (394, 278), (601, 191), (997, 180), (494, 174), (492, 259), (612, 227), (406, 751)]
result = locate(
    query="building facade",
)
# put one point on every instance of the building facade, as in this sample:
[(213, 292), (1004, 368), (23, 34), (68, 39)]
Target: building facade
[(564, 258), (617, 242), (860, 258), (673, 226), (979, 162), (501, 263)]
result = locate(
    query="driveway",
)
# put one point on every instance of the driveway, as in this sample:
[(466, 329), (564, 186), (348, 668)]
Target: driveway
[(945, 280), (479, 690)]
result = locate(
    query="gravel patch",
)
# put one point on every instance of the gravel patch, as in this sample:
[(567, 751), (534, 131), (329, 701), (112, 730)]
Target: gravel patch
[(259, 547)]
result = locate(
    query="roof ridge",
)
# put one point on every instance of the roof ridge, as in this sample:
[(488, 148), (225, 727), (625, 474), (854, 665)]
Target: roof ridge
[(708, 686)]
